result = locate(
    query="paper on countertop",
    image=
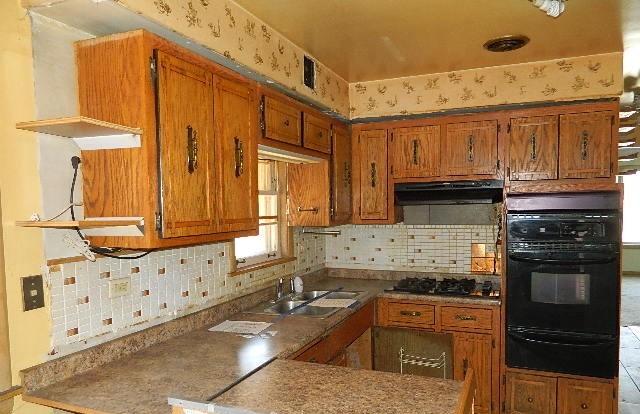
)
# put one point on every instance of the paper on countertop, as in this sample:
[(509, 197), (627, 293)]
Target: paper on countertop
[(333, 303), (241, 327)]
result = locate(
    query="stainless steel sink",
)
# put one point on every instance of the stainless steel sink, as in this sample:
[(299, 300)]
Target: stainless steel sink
[(312, 294), (295, 304), (343, 295), (284, 306)]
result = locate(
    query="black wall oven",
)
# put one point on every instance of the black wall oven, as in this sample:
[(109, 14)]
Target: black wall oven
[(563, 293)]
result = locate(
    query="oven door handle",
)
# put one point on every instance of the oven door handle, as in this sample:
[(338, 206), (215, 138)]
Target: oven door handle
[(579, 261), (571, 344)]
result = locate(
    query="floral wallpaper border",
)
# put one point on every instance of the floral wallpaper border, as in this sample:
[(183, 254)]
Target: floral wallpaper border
[(225, 27), (584, 77)]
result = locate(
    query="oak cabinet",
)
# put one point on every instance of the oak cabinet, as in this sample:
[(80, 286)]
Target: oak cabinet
[(316, 133), (471, 350), (533, 148), (373, 175), (585, 145), (530, 394), (237, 173), (308, 194), (415, 152), (340, 171), (198, 123), (282, 121), (584, 397), (471, 148)]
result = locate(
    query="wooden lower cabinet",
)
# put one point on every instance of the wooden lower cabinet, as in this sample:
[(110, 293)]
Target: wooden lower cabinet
[(471, 350), (537, 394)]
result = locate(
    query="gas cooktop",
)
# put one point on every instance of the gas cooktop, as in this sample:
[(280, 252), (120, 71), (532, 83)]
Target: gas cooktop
[(445, 287)]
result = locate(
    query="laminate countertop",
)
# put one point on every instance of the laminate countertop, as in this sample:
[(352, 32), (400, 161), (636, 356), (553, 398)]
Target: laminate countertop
[(198, 365)]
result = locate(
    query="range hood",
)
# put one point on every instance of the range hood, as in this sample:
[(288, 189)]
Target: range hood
[(459, 192)]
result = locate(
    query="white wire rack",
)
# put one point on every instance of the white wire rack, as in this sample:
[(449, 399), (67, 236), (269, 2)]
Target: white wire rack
[(438, 363)]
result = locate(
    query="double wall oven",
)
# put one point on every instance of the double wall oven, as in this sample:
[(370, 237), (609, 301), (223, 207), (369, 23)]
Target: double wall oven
[(563, 287)]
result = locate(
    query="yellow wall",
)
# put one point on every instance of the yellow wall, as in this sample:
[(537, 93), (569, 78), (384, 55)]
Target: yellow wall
[(20, 187)]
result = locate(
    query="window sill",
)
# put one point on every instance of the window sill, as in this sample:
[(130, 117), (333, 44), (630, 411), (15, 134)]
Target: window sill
[(261, 265)]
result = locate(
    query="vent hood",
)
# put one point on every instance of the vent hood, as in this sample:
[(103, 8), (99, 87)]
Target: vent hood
[(459, 192)]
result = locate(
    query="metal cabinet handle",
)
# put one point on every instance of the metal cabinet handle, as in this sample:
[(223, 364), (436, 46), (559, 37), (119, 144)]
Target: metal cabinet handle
[(319, 134), (346, 175), (584, 406), (416, 144), (314, 360), (410, 313), (374, 178), (465, 317), (192, 149), (239, 151), (314, 210), (286, 122), (585, 145), (470, 148), (534, 147), (529, 400)]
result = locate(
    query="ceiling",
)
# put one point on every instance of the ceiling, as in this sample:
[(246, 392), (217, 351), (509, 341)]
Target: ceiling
[(365, 40)]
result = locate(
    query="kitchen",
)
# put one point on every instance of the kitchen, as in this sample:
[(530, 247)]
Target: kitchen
[(236, 227)]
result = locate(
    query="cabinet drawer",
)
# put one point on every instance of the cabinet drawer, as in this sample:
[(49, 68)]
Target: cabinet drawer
[(465, 317), (282, 121), (410, 314), (584, 397), (316, 134)]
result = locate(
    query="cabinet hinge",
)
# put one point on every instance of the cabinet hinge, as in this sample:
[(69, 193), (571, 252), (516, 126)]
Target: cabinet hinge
[(504, 379), (504, 408), (508, 171), (499, 127), (493, 343), (498, 165), (262, 120), (158, 221), (153, 69), (391, 135), (392, 170), (509, 128)]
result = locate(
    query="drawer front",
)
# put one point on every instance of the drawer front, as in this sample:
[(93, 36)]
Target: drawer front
[(409, 314), (317, 134), (282, 122), (466, 317)]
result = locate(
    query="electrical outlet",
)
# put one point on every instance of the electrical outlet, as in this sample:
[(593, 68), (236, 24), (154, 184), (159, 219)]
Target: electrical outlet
[(119, 287), (32, 292)]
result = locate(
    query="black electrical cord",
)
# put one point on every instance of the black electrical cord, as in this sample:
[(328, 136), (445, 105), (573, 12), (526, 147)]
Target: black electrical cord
[(75, 164)]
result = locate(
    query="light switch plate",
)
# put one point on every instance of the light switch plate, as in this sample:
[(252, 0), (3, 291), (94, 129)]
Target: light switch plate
[(32, 292), (119, 287)]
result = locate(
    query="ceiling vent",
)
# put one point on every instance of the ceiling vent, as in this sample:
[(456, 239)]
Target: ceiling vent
[(506, 43)]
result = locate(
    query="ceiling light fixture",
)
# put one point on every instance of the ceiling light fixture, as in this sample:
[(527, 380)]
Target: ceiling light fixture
[(553, 8), (506, 43)]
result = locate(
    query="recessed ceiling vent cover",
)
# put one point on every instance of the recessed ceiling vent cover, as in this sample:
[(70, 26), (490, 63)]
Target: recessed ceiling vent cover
[(506, 43)]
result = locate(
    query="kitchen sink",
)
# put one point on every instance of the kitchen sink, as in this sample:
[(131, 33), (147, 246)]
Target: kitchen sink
[(284, 306), (298, 304)]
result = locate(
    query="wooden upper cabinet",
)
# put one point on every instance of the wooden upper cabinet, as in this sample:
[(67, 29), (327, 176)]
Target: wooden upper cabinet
[(373, 174), (530, 394), (471, 148), (415, 152), (308, 194), (472, 350), (282, 121), (584, 397), (341, 176), (238, 155), (585, 145), (316, 133), (533, 148), (185, 102)]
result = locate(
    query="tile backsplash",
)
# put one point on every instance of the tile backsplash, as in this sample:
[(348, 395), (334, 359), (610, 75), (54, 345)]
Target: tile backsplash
[(163, 286), (423, 248)]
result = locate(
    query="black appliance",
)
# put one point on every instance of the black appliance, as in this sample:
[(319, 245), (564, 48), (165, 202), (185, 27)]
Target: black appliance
[(446, 286), (563, 288), (461, 192)]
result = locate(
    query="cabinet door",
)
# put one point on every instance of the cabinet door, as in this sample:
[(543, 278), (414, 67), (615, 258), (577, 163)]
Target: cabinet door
[(185, 117), (585, 145), (471, 148), (372, 153), (415, 152), (584, 397), (316, 133), (341, 177), (474, 351), (308, 205), (238, 155), (533, 148), (530, 394), (282, 122)]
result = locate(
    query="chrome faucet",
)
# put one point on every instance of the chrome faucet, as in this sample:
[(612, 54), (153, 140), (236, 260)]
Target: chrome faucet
[(280, 289)]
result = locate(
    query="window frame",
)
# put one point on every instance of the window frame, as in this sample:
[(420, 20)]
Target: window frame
[(284, 252), (623, 178)]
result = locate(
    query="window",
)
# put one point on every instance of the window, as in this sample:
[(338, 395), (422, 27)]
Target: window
[(631, 209), (266, 245)]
